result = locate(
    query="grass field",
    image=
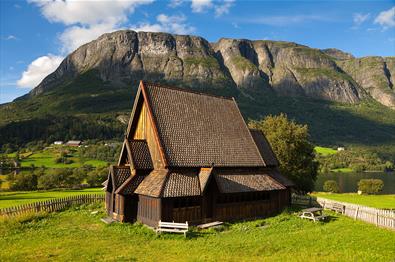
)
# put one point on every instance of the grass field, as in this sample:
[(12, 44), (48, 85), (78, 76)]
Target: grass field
[(377, 201), (48, 156), (343, 170), (9, 199), (324, 150), (79, 235)]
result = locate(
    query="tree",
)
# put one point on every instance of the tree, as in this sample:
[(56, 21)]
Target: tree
[(23, 181), (331, 186), (290, 143)]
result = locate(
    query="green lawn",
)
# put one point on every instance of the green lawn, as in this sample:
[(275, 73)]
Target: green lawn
[(79, 235), (342, 170), (47, 158), (377, 201), (325, 150), (9, 199)]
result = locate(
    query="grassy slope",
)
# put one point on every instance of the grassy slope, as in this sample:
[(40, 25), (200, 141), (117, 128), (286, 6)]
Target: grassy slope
[(10, 199), (47, 158), (325, 150), (80, 236), (377, 201)]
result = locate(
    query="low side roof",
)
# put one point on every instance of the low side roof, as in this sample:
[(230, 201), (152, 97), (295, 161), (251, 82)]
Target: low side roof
[(264, 148), (198, 130), (238, 181)]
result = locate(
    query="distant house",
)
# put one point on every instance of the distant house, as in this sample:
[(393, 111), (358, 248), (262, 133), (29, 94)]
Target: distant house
[(340, 149), (73, 143), (190, 156), (58, 143)]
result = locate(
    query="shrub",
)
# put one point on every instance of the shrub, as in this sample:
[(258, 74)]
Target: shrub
[(331, 186), (96, 177), (370, 186)]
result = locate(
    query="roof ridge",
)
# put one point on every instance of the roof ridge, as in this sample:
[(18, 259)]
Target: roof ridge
[(186, 90)]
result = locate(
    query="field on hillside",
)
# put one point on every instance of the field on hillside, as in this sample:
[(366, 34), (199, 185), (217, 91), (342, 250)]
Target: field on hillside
[(47, 158), (325, 150), (10, 199), (377, 201), (79, 235)]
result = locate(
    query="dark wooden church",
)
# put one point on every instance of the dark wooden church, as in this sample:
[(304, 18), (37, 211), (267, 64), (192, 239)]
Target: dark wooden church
[(190, 156)]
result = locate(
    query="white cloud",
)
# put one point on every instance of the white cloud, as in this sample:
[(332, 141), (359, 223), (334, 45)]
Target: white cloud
[(386, 18), (11, 37), (86, 19), (75, 36), (38, 70), (87, 12), (220, 7), (175, 3), (171, 24), (359, 18), (200, 6), (223, 8)]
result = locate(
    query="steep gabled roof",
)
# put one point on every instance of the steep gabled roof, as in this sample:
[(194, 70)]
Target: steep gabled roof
[(198, 130), (264, 148)]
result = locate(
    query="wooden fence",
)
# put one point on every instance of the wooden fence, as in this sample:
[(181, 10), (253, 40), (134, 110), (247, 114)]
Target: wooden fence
[(51, 205), (379, 217)]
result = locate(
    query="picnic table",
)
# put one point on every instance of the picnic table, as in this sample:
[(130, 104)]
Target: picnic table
[(314, 213)]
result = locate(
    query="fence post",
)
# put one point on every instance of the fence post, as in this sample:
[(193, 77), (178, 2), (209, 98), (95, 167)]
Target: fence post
[(356, 212), (377, 218)]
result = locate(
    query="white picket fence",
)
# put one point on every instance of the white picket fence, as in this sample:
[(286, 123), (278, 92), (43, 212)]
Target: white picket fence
[(379, 217)]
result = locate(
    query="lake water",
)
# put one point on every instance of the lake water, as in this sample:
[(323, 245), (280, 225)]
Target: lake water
[(348, 182)]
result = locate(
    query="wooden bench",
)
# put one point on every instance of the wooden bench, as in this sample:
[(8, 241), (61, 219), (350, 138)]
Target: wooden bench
[(313, 213), (337, 207), (172, 227)]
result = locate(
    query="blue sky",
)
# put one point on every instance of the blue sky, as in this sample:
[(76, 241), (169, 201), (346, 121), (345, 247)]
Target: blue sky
[(36, 35)]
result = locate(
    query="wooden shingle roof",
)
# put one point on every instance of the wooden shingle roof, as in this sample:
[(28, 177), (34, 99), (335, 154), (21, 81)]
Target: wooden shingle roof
[(119, 175), (181, 183), (140, 154), (152, 185), (238, 181), (198, 130), (264, 148), (131, 184)]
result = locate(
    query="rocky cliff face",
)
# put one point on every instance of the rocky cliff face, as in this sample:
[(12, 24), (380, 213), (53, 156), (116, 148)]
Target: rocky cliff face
[(248, 66)]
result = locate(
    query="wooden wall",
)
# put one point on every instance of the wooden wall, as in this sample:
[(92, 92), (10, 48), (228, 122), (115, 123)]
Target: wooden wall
[(149, 210), (251, 209)]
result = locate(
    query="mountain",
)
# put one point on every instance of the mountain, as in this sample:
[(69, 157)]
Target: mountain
[(318, 87)]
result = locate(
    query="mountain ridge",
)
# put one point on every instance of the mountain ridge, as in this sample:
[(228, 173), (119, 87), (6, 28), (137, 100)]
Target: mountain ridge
[(249, 65)]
